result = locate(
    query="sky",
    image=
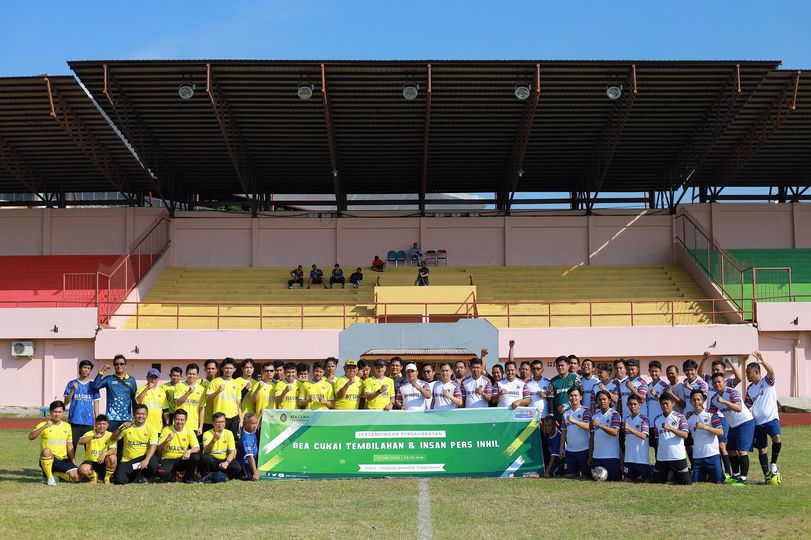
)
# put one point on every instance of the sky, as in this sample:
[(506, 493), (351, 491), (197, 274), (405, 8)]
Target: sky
[(39, 37)]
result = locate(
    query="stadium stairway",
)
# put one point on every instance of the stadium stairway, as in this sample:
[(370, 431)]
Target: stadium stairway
[(36, 281), (253, 298)]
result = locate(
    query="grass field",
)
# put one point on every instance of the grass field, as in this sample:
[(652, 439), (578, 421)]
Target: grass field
[(384, 508)]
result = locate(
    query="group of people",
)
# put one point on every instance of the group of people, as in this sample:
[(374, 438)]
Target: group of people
[(207, 428), (316, 277)]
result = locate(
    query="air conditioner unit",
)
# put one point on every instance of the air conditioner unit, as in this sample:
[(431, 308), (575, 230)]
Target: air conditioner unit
[(22, 348)]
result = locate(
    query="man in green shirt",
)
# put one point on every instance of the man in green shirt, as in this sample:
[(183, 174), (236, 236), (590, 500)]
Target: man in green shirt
[(560, 385)]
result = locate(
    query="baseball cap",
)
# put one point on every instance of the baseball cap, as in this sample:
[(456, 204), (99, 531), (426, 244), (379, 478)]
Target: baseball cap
[(411, 367), (153, 373), (379, 363), (350, 363)]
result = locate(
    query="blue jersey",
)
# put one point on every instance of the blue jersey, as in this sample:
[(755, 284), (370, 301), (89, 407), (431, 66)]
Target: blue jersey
[(81, 404), (247, 446), (554, 444), (120, 395)]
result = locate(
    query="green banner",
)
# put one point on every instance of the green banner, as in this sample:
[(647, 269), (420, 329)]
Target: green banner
[(298, 444)]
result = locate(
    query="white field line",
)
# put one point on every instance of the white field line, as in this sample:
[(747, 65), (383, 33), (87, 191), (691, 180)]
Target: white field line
[(425, 524)]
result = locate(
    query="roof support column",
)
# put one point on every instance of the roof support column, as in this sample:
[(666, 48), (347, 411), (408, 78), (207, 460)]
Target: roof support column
[(425, 140), (516, 170), (337, 183)]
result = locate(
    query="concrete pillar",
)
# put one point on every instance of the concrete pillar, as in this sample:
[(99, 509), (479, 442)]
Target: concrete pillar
[(255, 246), (796, 233), (507, 241), (47, 214), (339, 241), (129, 229), (589, 238)]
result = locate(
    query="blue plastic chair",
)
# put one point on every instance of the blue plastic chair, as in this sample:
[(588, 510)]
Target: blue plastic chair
[(392, 257), (401, 257)]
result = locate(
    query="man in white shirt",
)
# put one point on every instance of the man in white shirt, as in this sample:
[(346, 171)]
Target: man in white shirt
[(726, 401), (446, 393), (637, 447), (476, 388), (656, 388), (575, 437), (538, 387), (675, 390), (588, 381), (511, 391), (705, 428), (414, 394), (605, 424), (671, 430), (762, 398)]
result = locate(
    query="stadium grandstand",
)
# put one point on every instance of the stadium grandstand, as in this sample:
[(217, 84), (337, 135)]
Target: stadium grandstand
[(646, 209)]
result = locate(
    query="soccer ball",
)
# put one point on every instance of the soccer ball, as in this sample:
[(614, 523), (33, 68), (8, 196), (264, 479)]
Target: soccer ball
[(600, 474), (775, 480)]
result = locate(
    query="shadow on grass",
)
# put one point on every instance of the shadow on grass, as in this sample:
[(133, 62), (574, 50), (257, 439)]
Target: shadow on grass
[(28, 476)]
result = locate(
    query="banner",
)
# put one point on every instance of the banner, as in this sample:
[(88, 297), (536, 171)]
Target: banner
[(298, 444)]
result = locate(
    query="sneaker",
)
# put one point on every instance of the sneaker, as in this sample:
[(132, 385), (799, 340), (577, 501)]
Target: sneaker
[(140, 480), (52, 481), (729, 479), (773, 469), (766, 477), (289, 286)]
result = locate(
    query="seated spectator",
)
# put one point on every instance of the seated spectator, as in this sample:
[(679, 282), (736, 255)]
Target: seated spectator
[(378, 265), (415, 254), (422, 275), (337, 276), (298, 277), (356, 278), (316, 277)]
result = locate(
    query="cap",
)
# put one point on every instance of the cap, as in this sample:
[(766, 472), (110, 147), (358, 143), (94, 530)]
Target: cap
[(411, 367), (379, 363), (350, 363), (153, 373)]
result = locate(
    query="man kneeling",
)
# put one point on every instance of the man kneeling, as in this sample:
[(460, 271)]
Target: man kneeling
[(219, 453), (179, 450), (99, 452)]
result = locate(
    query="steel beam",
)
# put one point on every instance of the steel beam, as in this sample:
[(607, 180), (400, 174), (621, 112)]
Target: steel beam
[(231, 135), (15, 164), (87, 142), (516, 167), (425, 140), (759, 134), (340, 194)]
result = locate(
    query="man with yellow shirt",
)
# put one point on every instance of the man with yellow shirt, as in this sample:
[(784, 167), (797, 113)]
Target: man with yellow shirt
[(212, 372), (99, 452), (264, 395), (225, 394), (154, 397), (289, 392), (348, 388), (55, 446), (219, 453), (249, 384), (175, 376), (140, 441), (318, 392), (191, 396), (179, 450), (379, 389)]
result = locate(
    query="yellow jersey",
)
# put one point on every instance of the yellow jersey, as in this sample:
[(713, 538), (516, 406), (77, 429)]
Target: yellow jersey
[(97, 446), (56, 438), (155, 401), (170, 396), (192, 404), (372, 384), (209, 407), (315, 390), (265, 397), (247, 401), (228, 399), (181, 441), (291, 398), (137, 440), (221, 447), (352, 397)]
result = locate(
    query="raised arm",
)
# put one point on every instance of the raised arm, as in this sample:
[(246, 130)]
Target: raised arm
[(702, 366), (769, 368)]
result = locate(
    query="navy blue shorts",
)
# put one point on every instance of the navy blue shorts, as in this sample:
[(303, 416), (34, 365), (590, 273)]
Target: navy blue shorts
[(708, 469), (725, 425), (741, 437), (577, 463), (611, 465), (634, 471), (764, 431)]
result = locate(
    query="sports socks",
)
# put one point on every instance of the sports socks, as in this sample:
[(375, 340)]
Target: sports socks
[(735, 462), (744, 466), (727, 465), (776, 446), (108, 475), (764, 463), (94, 478), (47, 464)]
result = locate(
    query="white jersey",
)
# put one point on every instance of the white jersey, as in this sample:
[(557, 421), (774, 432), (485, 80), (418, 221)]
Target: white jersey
[(412, 399), (730, 382), (655, 391), (540, 403), (762, 398), (705, 444), (734, 418), (670, 446), (606, 446), (513, 391), (442, 402), (472, 399), (577, 438), (588, 385), (637, 450), (687, 388), (623, 392), (641, 387)]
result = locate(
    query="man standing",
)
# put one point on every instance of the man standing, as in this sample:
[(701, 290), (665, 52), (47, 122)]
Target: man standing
[(289, 392), (676, 390), (220, 451), (445, 393), (83, 402), (762, 398), (510, 392), (191, 396), (588, 381), (422, 275), (605, 424), (225, 393), (179, 450), (121, 388), (55, 446), (726, 402), (575, 437), (337, 276), (476, 388), (414, 395), (379, 389), (539, 389), (691, 382), (319, 393), (175, 375), (348, 388), (459, 370), (605, 384), (264, 396), (560, 386), (656, 389), (212, 370), (637, 448), (139, 442), (396, 375), (671, 430), (154, 397), (330, 369)]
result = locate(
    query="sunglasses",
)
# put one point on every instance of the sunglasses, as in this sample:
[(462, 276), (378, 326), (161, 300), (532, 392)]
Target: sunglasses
[(119, 364), (269, 371)]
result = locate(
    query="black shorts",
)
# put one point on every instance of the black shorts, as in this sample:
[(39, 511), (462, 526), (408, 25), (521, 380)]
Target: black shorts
[(99, 468), (61, 466)]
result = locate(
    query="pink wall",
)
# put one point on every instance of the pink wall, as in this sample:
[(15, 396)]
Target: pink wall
[(756, 225), (38, 323)]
